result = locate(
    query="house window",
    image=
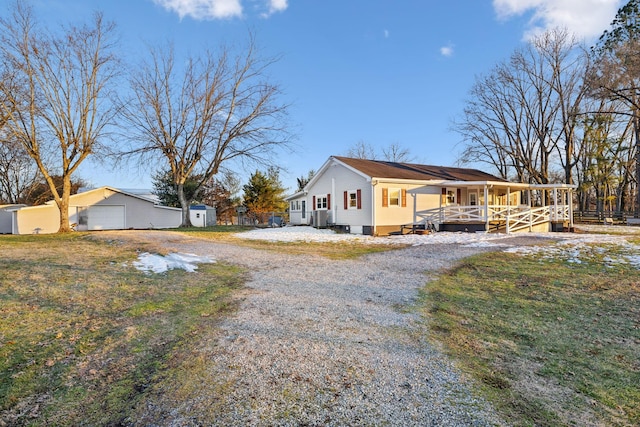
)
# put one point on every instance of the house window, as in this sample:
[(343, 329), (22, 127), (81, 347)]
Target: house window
[(451, 196), (394, 197), (304, 209), (473, 198), (353, 199), (322, 202), (83, 215)]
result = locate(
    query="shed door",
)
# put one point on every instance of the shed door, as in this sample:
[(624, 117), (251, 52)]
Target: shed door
[(106, 218)]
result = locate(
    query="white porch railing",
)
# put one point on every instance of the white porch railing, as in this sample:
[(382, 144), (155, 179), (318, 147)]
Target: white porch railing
[(515, 218)]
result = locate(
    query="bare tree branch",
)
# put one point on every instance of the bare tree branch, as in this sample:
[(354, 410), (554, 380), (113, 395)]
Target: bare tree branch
[(213, 110), (57, 107)]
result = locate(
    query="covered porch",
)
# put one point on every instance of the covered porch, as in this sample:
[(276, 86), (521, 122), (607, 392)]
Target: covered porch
[(487, 206)]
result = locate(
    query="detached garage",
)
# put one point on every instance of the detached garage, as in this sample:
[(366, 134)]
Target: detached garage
[(104, 208)]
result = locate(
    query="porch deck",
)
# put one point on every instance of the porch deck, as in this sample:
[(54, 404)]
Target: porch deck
[(509, 219)]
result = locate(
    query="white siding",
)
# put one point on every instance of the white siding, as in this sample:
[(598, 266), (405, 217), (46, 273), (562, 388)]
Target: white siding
[(299, 210), (335, 180), (136, 212)]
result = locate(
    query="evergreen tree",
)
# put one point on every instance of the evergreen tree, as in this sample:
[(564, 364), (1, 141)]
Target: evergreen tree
[(302, 181), (264, 194), (167, 192)]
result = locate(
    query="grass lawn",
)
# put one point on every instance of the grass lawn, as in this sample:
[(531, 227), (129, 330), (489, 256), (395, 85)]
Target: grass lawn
[(83, 334), (551, 343)]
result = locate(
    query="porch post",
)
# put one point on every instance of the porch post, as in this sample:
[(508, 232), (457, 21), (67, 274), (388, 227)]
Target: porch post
[(569, 191), (555, 204), (508, 209), (486, 208), (441, 211)]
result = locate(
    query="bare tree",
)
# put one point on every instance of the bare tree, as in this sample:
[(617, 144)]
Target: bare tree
[(392, 153), (204, 112), (55, 103), (397, 154), (18, 173), (522, 117), (617, 72), (362, 150)]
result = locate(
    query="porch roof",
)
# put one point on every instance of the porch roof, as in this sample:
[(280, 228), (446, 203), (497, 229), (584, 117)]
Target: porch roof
[(500, 184)]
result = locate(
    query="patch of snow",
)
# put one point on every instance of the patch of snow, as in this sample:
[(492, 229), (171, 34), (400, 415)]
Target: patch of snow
[(610, 249), (159, 264), (310, 234)]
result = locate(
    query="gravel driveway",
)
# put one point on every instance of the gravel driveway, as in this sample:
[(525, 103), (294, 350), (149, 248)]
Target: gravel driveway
[(325, 342)]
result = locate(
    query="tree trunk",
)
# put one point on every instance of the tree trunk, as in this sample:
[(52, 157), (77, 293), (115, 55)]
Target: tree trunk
[(184, 204), (63, 205), (636, 129)]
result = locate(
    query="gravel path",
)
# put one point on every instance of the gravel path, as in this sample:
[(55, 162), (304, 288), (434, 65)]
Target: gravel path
[(325, 342)]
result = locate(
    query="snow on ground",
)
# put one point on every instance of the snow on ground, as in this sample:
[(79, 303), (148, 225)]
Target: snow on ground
[(159, 264), (310, 234), (590, 245), (604, 244)]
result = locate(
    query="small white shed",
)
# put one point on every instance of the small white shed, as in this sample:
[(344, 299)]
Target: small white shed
[(202, 216)]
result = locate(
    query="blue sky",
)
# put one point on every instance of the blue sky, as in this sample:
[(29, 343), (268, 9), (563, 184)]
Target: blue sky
[(377, 71)]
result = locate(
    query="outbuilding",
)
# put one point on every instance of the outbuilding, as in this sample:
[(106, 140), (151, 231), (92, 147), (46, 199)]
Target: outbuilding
[(104, 208), (202, 216)]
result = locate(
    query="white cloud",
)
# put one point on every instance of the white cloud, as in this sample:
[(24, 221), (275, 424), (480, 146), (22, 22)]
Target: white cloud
[(278, 5), (446, 50), (216, 9), (585, 18), (275, 6)]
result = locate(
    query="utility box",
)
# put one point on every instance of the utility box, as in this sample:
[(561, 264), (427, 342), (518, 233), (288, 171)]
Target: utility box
[(320, 219)]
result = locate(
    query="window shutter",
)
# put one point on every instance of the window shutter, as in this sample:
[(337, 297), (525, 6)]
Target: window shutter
[(444, 191), (385, 197), (314, 203), (329, 201), (459, 196), (346, 200), (404, 198), (359, 198)]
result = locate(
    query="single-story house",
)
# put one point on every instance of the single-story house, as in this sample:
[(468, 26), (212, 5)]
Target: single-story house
[(376, 197), (202, 216), (104, 208)]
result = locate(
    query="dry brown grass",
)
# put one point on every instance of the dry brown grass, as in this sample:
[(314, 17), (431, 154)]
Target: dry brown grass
[(83, 334)]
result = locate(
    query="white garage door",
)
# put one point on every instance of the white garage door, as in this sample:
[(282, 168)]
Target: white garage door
[(106, 218)]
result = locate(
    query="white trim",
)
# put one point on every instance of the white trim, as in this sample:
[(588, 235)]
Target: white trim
[(349, 193)]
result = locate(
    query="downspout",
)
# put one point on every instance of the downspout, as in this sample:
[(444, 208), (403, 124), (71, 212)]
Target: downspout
[(333, 201), (373, 206)]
